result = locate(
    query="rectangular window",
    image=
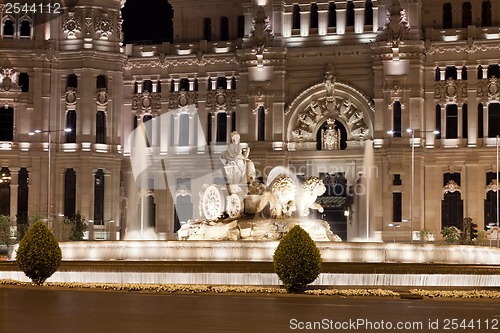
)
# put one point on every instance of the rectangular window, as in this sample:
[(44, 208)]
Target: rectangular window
[(451, 121), (397, 206), (493, 120)]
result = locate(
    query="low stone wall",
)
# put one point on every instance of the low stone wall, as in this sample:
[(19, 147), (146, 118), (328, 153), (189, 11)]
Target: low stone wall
[(263, 251)]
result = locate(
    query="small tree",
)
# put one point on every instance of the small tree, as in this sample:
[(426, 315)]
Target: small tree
[(7, 237), (297, 260), (39, 254), (451, 235), (78, 227)]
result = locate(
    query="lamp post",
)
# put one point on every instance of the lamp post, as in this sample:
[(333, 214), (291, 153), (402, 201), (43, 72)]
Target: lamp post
[(412, 144), (497, 211), (49, 187), (394, 225)]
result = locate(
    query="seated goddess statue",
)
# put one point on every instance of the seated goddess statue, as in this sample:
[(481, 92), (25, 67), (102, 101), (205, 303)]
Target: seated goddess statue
[(238, 167)]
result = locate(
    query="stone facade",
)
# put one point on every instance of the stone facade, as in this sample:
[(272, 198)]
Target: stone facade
[(280, 73)]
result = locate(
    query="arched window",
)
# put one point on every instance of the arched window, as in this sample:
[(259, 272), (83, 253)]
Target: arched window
[(148, 126), (493, 119), (22, 197), (447, 16), (438, 121), (233, 121), (8, 28), (221, 127), (184, 130), (100, 127), (451, 72), (222, 82), (71, 123), (25, 29), (241, 26), (224, 28), (350, 14), (465, 122), (396, 119), (368, 12), (490, 202), (314, 16), (5, 192), (147, 85), (72, 81), (184, 84), (480, 120), (493, 70), (69, 193), (209, 129), (99, 197), (261, 124), (332, 15), (207, 29), (24, 82), (296, 17), (452, 204), (486, 14), (101, 82), (6, 124), (451, 121), (464, 73), (466, 14)]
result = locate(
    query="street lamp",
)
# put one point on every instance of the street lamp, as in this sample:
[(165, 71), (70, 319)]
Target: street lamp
[(497, 192), (49, 194), (412, 144), (394, 225)]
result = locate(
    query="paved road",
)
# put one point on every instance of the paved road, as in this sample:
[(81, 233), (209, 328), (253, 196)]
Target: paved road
[(47, 310)]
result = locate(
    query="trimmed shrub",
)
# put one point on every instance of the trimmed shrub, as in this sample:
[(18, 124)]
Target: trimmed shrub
[(297, 260), (39, 254)]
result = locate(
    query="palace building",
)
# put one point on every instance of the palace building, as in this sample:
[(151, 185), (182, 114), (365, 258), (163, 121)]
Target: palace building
[(395, 104)]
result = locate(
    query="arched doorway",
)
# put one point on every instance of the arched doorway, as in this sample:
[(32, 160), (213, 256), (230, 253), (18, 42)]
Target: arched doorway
[(332, 135)]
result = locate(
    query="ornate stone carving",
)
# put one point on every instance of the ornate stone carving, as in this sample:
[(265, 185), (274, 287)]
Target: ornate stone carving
[(102, 97), (8, 80), (261, 31), (71, 97), (71, 25), (329, 80), (182, 98), (451, 187), (104, 26), (492, 186), (493, 89), (182, 191), (221, 99), (450, 91), (396, 25), (330, 136), (88, 25)]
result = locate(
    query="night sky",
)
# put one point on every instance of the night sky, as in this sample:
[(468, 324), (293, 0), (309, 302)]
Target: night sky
[(147, 21)]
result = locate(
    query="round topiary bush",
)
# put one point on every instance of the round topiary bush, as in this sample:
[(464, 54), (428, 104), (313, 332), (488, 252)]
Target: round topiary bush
[(297, 260), (39, 254)]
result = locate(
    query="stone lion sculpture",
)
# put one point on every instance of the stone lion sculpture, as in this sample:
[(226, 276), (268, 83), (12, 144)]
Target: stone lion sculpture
[(280, 198), (310, 190)]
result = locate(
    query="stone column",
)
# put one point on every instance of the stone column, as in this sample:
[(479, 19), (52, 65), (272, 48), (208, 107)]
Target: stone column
[(277, 19), (305, 20), (375, 18), (322, 19), (359, 17), (214, 127), (14, 190), (341, 19), (287, 21)]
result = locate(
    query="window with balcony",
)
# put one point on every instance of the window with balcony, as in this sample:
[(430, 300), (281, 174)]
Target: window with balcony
[(100, 127)]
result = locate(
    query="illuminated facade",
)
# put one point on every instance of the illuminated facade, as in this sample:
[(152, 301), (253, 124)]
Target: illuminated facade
[(314, 86)]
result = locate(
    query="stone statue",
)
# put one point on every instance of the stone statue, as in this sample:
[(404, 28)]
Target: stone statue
[(238, 167), (330, 136)]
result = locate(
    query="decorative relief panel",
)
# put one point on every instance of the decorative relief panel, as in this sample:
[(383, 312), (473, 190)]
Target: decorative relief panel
[(489, 90), (146, 102), (180, 99), (8, 80), (451, 187), (104, 26), (451, 91), (102, 97), (71, 25), (70, 97), (221, 99), (261, 32)]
